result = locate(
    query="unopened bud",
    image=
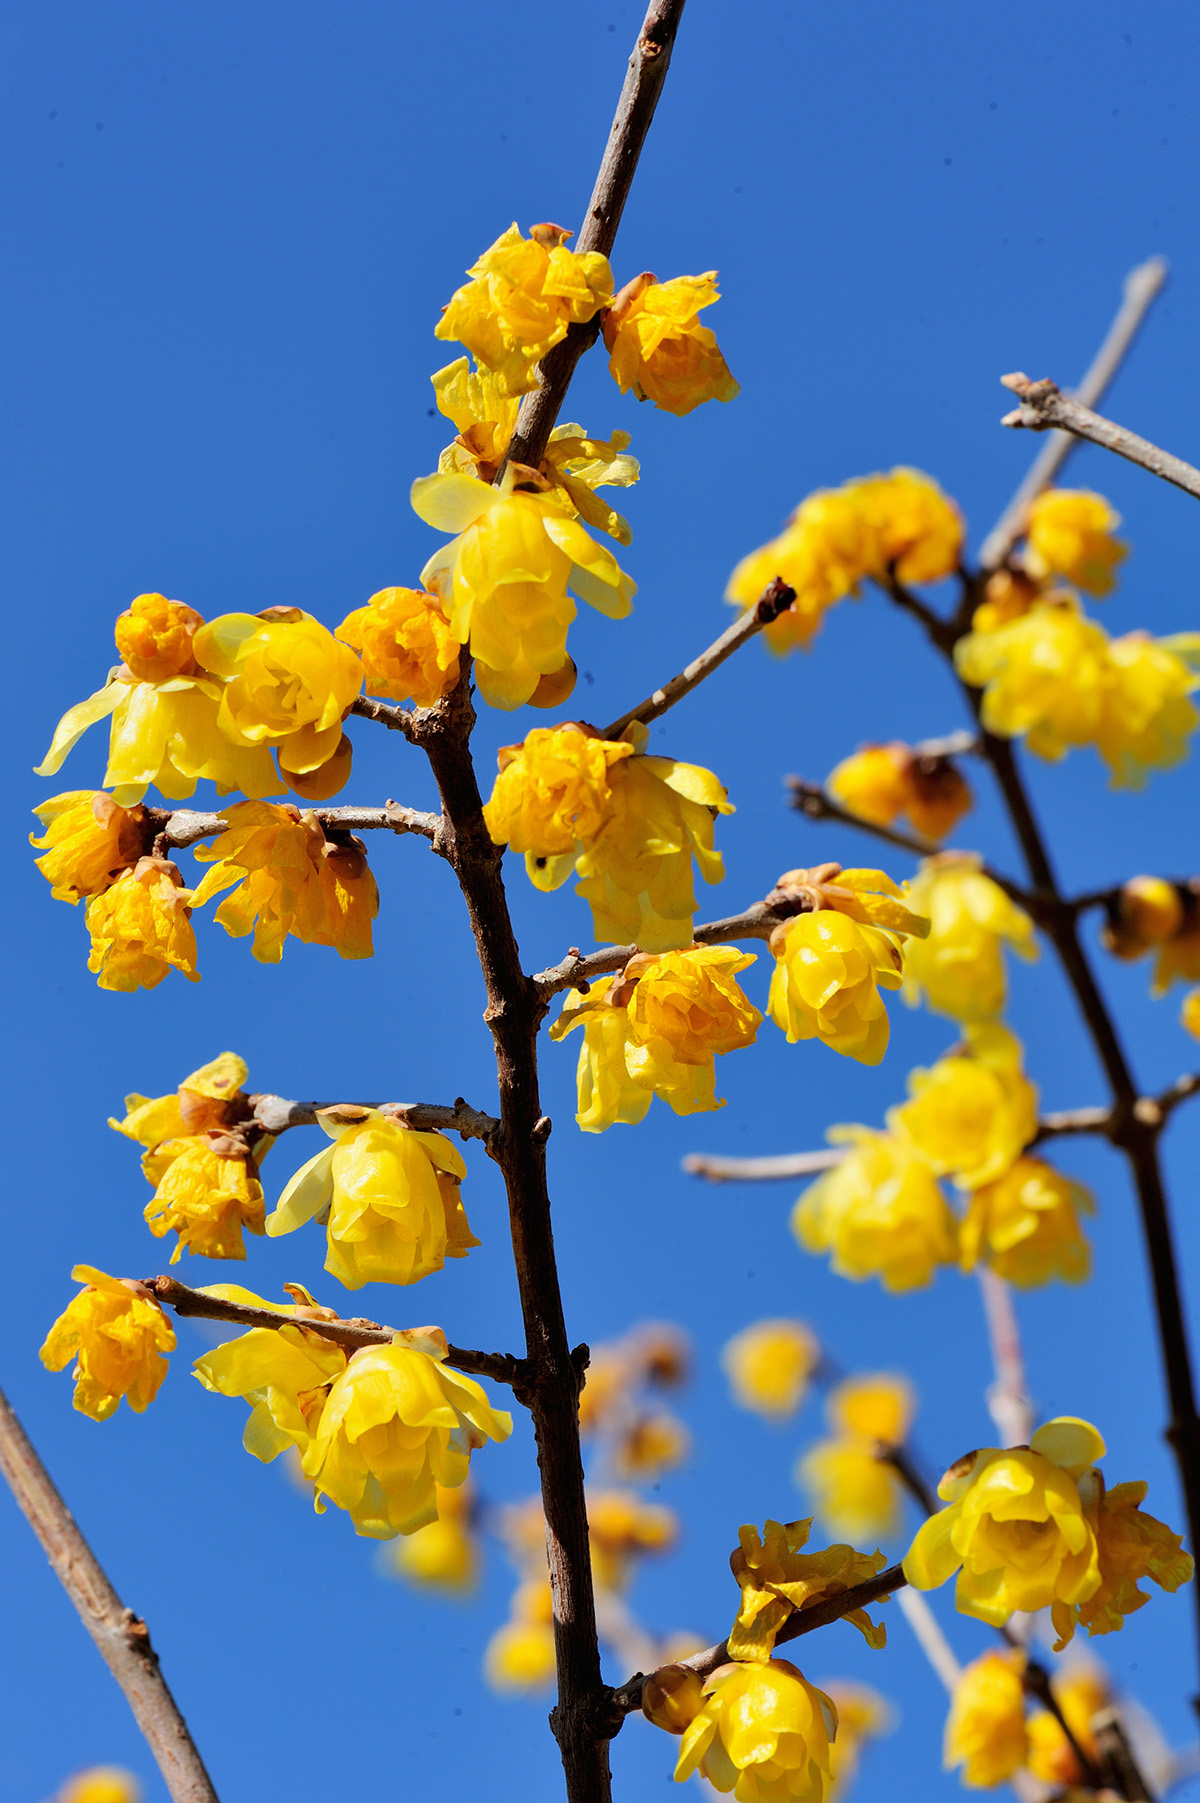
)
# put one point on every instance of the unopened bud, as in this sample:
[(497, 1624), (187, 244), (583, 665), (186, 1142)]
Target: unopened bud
[(557, 687), (1146, 911), (672, 1697), (326, 780)]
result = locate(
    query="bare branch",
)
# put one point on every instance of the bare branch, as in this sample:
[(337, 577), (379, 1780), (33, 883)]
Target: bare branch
[(1073, 1120), (122, 1639), (1008, 1398), (184, 826), (274, 1114), (397, 719), (761, 1170), (775, 599), (1043, 404), (1140, 288), (1179, 1091)]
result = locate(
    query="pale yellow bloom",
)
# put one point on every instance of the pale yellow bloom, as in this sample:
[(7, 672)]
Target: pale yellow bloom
[(101, 1784), (879, 1212), (395, 1213), (117, 1334), (881, 782), (89, 841), (1025, 1226), (764, 1733), (853, 1490), (1080, 1691), (520, 1655), (407, 650), (658, 348), (958, 969), (769, 1365), (1070, 534), (777, 1579), (1131, 1546), (484, 417), (876, 1408), (141, 928), (284, 1373), (975, 1111), (1044, 675), (985, 1730), (443, 1556), (1148, 717)]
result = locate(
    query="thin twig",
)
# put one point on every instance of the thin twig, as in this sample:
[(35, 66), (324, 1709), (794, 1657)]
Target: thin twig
[(904, 1465), (1043, 404), (1067, 1121), (1140, 288), (275, 1114), (184, 826), (775, 599), (122, 1639), (929, 1637), (1007, 1399), (761, 1170), (397, 719), (1036, 1681)]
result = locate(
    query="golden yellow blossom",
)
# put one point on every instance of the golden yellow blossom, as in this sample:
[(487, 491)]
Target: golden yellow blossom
[(876, 1408), (1131, 1546), (484, 417), (764, 1733), (621, 1527), (395, 1213), (672, 1697), (975, 1111), (1043, 675), (880, 1212), (207, 1193), (520, 1655), (523, 295), (658, 348), (117, 1335), (1147, 717), (290, 879), (395, 1422), (284, 1373), (444, 1555), (769, 1365), (407, 650), (88, 842), (576, 465), (1070, 534), (1007, 595), (657, 1030), (959, 968), (209, 1097), (853, 1490), (651, 1445), (1146, 911), (1081, 1691), (101, 1784), (503, 579), (862, 1715), (141, 928), (553, 792), (154, 637), (881, 782), (1189, 1014), (778, 1579), (1025, 1226), (985, 1730)]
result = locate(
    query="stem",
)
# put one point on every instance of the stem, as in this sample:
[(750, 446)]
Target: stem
[(1044, 404), (122, 1639), (1007, 1399)]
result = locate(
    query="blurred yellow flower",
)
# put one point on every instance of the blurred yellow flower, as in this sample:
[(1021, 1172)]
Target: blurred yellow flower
[(777, 1579), (1081, 1691), (853, 1490), (117, 1334), (443, 1556), (89, 841), (958, 969), (659, 349), (1189, 1014), (1070, 534), (1043, 675), (985, 1730), (862, 1716), (881, 782), (651, 1445), (520, 1655), (764, 1733), (769, 1365), (975, 1111), (141, 928), (621, 1527), (1025, 1225), (404, 641), (1147, 717), (1146, 911), (101, 1784), (876, 1407), (284, 1373), (880, 1212)]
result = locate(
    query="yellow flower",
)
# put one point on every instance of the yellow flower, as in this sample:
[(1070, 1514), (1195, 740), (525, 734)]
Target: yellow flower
[(1025, 1225), (877, 1408), (141, 928), (553, 792), (484, 416), (1080, 1692), (503, 580), (88, 842), (444, 1555), (881, 782), (101, 1784), (764, 1733), (985, 1730), (210, 1097), (287, 683), (917, 530), (576, 466), (1179, 958), (524, 294), (1070, 534), (395, 1213), (769, 1365), (154, 637), (605, 1386), (1189, 1014), (291, 879), (1131, 1546), (879, 1211), (621, 1527), (1146, 911), (520, 1655), (672, 1697), (959, 969), (1008, 594), (208, 1192), (658, 348), (1147, 717), (777, 1579), (974, 1113), (651, 1445), (862, 1715), (117, 1334), (408, 652), (395, 1424), (1044, 675), (657, 1030), (284, 1373), (853, 1490)]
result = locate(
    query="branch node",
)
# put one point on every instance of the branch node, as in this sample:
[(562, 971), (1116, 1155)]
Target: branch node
[(540, 1131)]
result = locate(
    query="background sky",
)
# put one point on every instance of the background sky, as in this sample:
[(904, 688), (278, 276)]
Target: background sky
[(233, 228)]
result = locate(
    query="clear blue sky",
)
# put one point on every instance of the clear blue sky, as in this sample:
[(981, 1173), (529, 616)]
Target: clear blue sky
[(233, 227)]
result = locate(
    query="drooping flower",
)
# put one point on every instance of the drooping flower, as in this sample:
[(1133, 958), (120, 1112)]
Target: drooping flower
[(1025, 1225), (395, 1424), (117, 1334), (1070, 534), (101, 1784), (1145, 912), (407, 650), (764, 1733), (777, 1579), (210, 1097), (881, 782), (284, 1373), (395, 1213), (657, 1030), (880, 1212), (975, 1111), (444, 1555), (141, 928), (1131, 1546), (208, 1192), (89, 841), (1147, 716), (658, 348), (958, 969), (769, 1365), (520, 1655), (1081, 1691), (291, 879), (503, 579), (523, 295), (1043, 675), (985, 1730), (622, 1528)]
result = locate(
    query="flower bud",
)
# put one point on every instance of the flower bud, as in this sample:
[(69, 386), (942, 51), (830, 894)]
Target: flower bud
[(1146, 911), (557, 687), (672, 1697), (327, 780)]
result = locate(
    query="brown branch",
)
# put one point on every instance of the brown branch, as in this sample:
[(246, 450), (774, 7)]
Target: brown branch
[(775, 599), (761, 1170), (275, 1114), (1140, 288), (906, 1469), (644, 80), (396, 719), (1073, 1120), (184, 826), (1043, 404), (121, 1638)]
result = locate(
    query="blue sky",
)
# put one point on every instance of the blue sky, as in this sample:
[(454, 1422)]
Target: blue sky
[(234, 226)]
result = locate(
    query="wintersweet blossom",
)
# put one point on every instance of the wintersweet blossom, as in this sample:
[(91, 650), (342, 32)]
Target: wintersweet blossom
[(210, 1097), (881, 782), (523, 295), (1145, 912), (764, 1733), (1179, 957), (1189, 1013), (1025, 1225), (657, 1030), (394, 1209), (407, 650), (852, 1490), (141, 928), (650, 1446), (483, 415), (777, 1579), (974, 1112), (769, 1366), (623, 1528), (875, 1407), (503, 578), (117, 1334), (89, 842), (284, 1373), (1043, 675), (958, 968), (207, 1193), (520, 1655), (101, 1784), (1148, 716), (444, 1555), (1132, 1546), (863, 1715), (985, 1730), (1070, 534), (880, 1212), (1081, 1691), (658, 348)]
